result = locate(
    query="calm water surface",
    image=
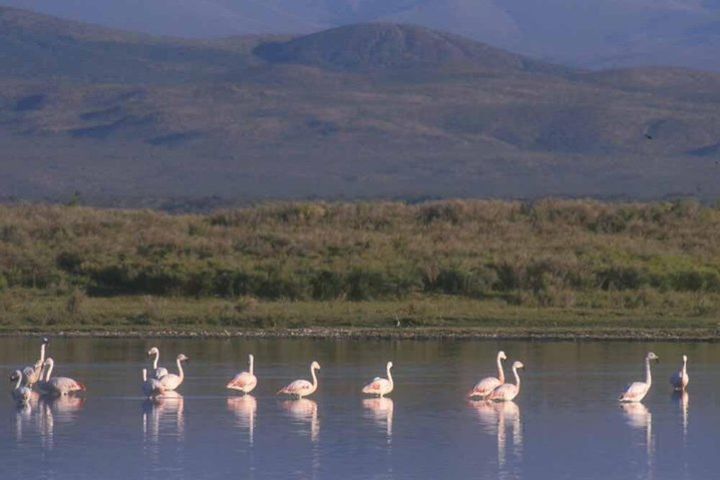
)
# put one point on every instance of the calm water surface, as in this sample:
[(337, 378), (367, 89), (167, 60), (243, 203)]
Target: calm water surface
[(565, 424)]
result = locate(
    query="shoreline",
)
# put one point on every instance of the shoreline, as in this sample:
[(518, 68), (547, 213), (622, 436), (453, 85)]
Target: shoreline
[(402, 333)]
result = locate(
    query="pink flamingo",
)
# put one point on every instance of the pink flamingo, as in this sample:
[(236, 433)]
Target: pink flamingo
[(172, 381), (485, 386), (680, 379), (636, 391), (59, 385), (380, 386), (507, 391), (244, 382), (302, 388)]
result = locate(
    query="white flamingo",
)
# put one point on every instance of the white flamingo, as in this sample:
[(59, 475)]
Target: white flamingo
[(172, 381), (302, 388), (680, 379), (507, 391), (485, 386), (636, 391), (156, 372), (59, 385), (151, 386), (380, 386), (244, 382), (20, 393), (33, 375)]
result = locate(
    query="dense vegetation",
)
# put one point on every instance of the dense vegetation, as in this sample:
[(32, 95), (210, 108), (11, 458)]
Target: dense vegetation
[(581, 255)]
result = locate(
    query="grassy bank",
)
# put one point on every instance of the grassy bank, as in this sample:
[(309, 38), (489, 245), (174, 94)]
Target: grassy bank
[(472, 266), (440, 316)]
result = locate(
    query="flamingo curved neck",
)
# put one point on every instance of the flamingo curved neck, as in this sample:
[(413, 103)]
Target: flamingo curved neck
[(181, 374), (648, 376), (314, 377), (501, 372), (19, 381), (252, 364), (42, 354), (49, 371), (144, 374), (156, 359), (517, 379), (389, 375), (684, 369)]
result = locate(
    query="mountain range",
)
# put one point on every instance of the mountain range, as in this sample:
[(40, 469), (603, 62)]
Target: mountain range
[(359, 111), (588, 34)]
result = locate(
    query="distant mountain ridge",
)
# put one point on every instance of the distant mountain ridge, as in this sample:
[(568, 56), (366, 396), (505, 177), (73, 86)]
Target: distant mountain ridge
[(597, 34), (362, 111)]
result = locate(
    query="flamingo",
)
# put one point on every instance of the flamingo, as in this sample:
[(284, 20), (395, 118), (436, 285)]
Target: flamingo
[(507, 391), (156, 372), (20, 393), (172, 381), (244, 382), (33, 374), (636, 391), (680, 379), (151, 386), (302, 388), (380, 386), (485, 386), (59, 385)]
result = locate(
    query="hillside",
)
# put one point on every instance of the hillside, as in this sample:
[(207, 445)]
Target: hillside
[(380, 110), (603, 34)]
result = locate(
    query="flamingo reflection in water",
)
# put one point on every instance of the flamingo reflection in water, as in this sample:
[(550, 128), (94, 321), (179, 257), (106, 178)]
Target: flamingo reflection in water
[(164, 414), (304, 410), (683, 401), (638, 417), (245, 408), (496, 418), (56, 410), (381, 411)]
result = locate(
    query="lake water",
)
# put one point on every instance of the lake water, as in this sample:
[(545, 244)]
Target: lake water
[(566, 423)]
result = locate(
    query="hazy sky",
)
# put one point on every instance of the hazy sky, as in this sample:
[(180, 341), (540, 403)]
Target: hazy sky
[(595, 33)]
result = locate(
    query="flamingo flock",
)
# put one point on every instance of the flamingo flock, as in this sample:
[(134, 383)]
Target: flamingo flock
[(38, 376), (158, 381)]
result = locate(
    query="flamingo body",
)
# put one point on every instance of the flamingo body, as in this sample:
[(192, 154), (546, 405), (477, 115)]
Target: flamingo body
[(507, 391), (156, 372), (488, 384), (636, 391), (59, 385), (244, 382), (380, 386), (20, 393), (151, 386), (302, 388), (172, 381), (680, 379)]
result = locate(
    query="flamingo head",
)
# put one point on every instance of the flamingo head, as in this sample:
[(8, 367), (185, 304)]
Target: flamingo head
[(49, 362), (315, 366), (45, 341), (684, 358), (653, 357), (251, 357), (518, 365), (153, 351), (15, 376), (389, 365), (183, 358), (501, 355)]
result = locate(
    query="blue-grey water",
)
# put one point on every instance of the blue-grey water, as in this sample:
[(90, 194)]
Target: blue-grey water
[(566, 423)]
